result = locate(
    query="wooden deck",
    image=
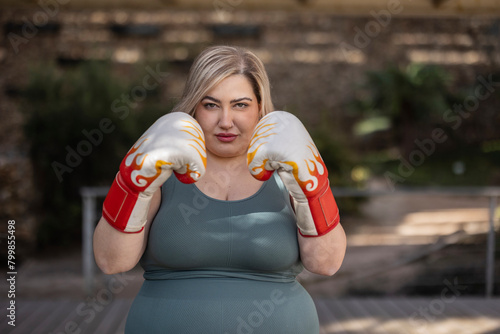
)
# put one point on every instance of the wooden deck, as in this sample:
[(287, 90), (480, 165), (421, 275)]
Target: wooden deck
[(340, 316)]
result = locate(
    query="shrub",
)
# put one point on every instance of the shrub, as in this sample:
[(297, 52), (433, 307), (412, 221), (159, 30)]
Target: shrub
[(69, 147)]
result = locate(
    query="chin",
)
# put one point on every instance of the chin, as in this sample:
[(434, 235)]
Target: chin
[(228, 150), (229, 153)]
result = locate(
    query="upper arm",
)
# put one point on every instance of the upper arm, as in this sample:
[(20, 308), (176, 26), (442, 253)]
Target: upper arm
[(323, 255)]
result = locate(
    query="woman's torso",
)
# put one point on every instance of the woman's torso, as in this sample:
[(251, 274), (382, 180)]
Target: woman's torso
[(214, 266)]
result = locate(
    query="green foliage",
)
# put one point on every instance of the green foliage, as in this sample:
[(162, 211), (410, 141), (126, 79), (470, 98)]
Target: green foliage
[(396, 107), (420, 91), (411, 99), (64, 109)]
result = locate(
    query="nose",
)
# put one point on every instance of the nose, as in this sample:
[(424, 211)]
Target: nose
[(226, 119)]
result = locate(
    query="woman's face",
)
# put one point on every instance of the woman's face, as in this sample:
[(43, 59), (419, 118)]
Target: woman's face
[(228, 114)]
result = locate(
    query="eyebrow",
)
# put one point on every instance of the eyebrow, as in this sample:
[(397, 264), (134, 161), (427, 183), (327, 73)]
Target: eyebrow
[(232, 101)]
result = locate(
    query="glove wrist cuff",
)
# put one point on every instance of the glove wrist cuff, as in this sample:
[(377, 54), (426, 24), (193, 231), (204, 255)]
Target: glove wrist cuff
[(324, 214), (125, 209)]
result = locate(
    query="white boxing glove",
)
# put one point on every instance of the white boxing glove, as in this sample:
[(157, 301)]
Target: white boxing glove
[(174, 143), (281, 142)]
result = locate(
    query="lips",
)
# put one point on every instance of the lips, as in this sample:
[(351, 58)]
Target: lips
[(226, 137)]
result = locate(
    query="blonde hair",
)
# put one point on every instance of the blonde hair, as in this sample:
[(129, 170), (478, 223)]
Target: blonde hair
[(215, 64)]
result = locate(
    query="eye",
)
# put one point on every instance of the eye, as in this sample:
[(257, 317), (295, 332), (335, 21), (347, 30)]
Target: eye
[(210, 105), (241, 105)]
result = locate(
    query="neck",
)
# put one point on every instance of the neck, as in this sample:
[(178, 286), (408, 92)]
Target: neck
[(233, 165)]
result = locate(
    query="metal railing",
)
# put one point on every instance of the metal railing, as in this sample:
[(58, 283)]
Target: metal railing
[(90, 218), (89, 221)]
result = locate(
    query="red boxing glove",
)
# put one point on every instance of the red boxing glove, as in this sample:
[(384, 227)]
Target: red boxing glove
[(281, 142), (174, 143)]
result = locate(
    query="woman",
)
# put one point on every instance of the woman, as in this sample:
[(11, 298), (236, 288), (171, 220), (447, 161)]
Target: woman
[(221, 255)]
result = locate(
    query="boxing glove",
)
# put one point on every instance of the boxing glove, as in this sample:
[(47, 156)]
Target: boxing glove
[(281, 142), (174, 143)]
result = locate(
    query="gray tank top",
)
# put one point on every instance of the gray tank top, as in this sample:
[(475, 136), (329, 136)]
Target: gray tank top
[(196, 236)]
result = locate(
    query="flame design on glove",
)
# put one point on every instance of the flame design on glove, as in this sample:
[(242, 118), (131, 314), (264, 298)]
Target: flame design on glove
[(307, 170), (315, 168), (262, 131), (187, 175), (143, 177), (135, 159)]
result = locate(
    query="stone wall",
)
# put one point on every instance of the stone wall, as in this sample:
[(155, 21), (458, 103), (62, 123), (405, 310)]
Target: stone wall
[(314, 60)]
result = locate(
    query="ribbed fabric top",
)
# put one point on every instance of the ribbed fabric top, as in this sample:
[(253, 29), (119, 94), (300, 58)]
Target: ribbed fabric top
[(196, 236)]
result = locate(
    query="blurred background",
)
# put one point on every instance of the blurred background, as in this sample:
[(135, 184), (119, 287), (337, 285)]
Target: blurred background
[(401, 97)]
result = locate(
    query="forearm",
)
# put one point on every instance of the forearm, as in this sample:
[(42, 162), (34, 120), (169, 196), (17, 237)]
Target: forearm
[(323, 255), (116, 251)]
